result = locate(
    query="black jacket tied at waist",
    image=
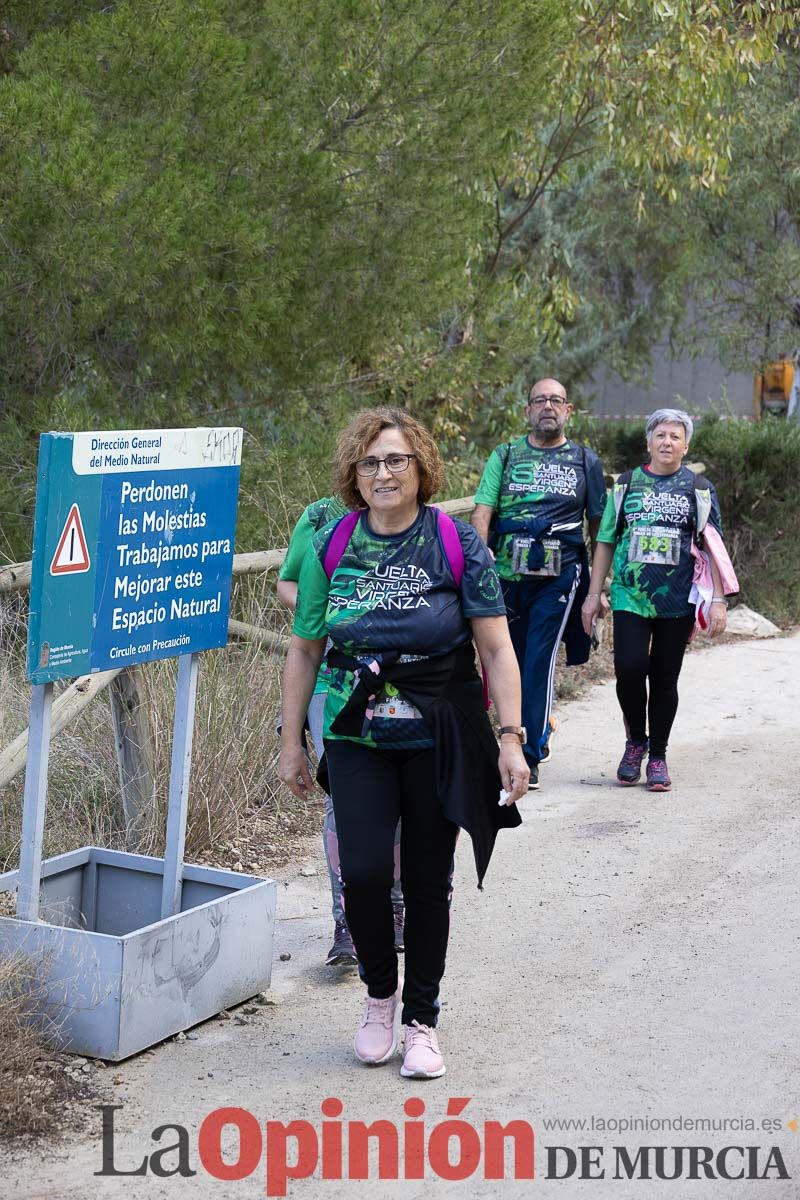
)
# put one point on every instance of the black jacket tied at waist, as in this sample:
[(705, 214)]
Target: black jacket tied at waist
[(447, 691)]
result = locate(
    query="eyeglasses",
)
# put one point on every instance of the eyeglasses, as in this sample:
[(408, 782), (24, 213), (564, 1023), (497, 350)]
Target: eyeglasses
[(556, 401), (394, 463)]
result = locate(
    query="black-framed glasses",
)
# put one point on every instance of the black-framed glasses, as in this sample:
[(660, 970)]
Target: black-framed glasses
[(394, 463), (556, 401)]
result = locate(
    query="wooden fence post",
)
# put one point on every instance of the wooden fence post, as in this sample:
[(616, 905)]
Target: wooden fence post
[(134, 744)]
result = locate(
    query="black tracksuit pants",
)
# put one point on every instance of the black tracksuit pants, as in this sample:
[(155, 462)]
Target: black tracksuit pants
[(371, 789)]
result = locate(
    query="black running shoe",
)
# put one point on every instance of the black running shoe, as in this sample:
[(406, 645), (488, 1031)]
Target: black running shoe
[(342, 950), (533, 782), (658, 779), (629, 770)]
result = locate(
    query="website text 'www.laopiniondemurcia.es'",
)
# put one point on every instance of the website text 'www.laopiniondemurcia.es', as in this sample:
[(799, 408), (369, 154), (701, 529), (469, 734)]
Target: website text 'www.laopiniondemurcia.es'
[(231, 1143)]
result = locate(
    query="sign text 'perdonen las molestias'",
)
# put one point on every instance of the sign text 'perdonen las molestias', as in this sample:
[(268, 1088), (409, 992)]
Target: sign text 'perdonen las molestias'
[(133, 547)]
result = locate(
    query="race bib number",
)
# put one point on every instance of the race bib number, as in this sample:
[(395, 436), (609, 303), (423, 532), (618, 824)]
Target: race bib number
[(552, 556), (656, 544), (395, 708)]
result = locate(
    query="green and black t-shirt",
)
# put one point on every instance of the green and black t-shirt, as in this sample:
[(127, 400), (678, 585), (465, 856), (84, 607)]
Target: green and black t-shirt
[(557, 485), (313, 517), (653, 562), (393, 593)]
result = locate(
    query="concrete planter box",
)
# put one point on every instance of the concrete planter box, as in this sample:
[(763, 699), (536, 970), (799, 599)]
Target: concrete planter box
[(118, 977)]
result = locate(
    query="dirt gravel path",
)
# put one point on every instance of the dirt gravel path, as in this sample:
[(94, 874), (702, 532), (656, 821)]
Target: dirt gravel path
[(632, 957)]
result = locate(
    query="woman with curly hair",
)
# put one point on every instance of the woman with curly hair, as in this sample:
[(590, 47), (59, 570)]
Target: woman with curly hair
[(401, 590)]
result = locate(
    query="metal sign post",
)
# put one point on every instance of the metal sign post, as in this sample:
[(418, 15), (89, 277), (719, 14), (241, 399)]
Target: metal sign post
[(179, 783), (132, 561), (34, 804)]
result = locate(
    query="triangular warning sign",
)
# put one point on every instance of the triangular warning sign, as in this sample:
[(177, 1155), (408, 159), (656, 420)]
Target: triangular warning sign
[(71, 553)]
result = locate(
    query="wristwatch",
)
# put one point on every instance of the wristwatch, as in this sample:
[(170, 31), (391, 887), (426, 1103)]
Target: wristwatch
[(519, 730)]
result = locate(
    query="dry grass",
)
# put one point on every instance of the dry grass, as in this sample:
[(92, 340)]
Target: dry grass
[(33, 1084), (234, 761)]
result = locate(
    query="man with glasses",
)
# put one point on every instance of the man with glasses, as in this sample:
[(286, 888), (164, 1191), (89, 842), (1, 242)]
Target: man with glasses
[(540, 486)]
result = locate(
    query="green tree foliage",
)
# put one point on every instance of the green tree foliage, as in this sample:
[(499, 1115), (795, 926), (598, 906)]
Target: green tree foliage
[(585, 255), (743, 247), (206, 195)]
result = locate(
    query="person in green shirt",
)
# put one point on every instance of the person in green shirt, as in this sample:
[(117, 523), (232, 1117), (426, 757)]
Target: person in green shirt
[(400, 589), (316, 515), (541, 486), (648, 527)]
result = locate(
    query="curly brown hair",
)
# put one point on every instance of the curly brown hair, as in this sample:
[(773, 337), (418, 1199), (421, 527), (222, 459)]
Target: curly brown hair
[(352, 443)]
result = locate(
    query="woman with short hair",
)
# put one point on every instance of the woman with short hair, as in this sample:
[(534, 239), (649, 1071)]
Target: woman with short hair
[(401, 590), (653, 521), (314, 516)]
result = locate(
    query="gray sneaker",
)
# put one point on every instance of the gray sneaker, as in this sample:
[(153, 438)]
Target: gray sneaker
[(342, 950), (399, 927)]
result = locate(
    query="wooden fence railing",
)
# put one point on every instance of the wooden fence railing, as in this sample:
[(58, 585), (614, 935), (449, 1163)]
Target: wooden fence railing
[(130, 718)]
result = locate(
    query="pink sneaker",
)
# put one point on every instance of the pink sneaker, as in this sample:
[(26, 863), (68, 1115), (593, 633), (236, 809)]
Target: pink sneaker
[(376, 1040), (422, 1058)]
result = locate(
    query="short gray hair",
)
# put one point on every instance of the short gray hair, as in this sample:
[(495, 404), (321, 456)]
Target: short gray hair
[(666, 416)]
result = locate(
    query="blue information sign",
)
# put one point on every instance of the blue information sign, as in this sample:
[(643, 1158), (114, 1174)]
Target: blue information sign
[(133, 547)]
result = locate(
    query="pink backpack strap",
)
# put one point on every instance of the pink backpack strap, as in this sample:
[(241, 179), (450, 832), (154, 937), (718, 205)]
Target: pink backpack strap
[(454, 553), (338, 541), (451, 544)]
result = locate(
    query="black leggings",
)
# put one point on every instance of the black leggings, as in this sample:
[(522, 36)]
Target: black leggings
[(649, 649), (371, 789)]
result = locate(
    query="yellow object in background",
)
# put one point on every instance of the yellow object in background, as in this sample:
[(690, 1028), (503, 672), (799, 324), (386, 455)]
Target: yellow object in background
[(771, 390)]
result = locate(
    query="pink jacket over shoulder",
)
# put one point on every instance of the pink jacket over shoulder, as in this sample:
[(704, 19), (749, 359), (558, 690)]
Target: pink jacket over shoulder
[(703, 583)]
